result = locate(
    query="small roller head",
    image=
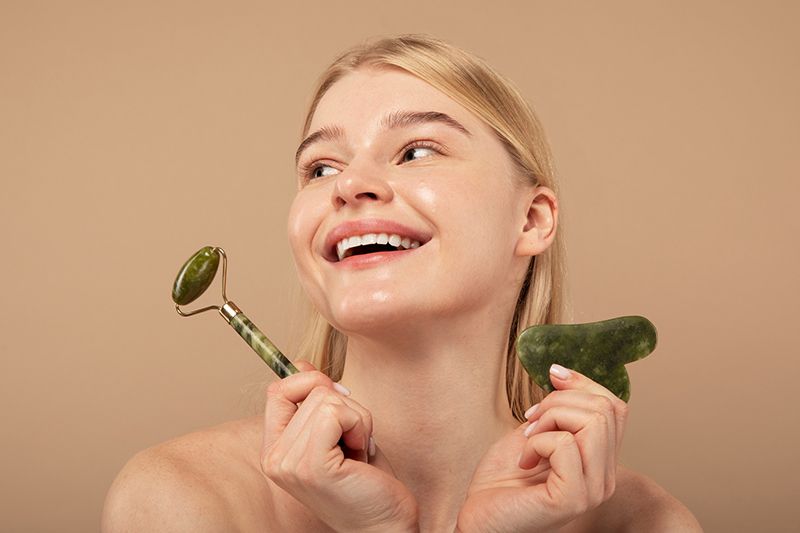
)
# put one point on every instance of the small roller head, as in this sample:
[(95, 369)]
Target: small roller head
[(195, 276)]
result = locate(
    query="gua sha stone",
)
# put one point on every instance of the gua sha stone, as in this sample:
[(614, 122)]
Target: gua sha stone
[(598, 350), (195, 276)]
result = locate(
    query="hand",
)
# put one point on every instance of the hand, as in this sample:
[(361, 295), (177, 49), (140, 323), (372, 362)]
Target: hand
[(320, 453), (565, 464)]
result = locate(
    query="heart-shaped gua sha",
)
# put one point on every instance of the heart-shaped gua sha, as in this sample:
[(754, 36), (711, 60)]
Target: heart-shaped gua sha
[(598, 350)]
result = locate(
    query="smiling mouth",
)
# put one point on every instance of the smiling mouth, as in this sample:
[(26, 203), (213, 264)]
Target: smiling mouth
[(371, 243)]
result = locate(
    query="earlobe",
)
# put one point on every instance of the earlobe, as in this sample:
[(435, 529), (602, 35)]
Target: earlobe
[(540, 222)]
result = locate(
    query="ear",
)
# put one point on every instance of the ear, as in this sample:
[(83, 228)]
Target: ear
[(540, 222)]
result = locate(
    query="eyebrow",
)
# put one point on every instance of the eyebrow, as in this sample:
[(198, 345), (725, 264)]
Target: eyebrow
[(396, 119)]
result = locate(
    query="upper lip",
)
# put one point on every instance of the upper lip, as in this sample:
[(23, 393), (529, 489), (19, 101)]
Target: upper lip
[(369, 225)]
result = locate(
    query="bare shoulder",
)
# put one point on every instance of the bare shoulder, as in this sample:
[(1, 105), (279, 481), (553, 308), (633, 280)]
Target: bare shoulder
[(205, 481), (638, 504)]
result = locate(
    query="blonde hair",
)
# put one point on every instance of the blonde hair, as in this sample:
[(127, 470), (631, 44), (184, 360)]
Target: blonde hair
[(471, 82)]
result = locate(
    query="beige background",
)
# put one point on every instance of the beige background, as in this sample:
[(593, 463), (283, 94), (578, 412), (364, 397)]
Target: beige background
[(132, 133)]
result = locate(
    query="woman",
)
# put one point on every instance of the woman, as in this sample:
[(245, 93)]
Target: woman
[(424, 233)]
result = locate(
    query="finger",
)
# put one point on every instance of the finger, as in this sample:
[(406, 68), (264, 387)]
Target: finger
[(567, 379), (594, 434), (564, 378), (322, 401), (528, 458), (317, 442), (574, 398), (366, 422), (565, 484), (580, 400), (283, 397), (304, 366), (307, 454), (295, 388), (292, 434)]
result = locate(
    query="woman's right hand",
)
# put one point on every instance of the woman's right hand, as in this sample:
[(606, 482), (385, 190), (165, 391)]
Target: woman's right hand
[(346, 487)]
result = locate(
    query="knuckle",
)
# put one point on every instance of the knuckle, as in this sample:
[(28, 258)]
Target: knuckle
[(319, 392), (321, 378), (330, 409), (552, 398), (274, 388), (271, 464), (305, 475), (599, 418), (555, 503), (603, 404), (565, 438)]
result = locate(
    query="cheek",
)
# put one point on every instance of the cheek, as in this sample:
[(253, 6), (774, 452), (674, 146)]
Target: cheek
[(305, 216), (303, 220), (427, 196)]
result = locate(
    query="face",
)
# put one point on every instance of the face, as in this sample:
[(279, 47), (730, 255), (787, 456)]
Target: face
[(443, 187)]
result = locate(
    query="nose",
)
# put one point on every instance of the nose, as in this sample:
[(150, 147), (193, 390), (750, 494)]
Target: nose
[(355, 186)]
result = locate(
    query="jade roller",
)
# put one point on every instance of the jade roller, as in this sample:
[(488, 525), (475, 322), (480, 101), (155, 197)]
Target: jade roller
[(195, 276)]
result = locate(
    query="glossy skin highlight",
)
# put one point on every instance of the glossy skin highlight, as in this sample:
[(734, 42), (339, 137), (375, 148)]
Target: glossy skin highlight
[(459, 194), (432, 444)]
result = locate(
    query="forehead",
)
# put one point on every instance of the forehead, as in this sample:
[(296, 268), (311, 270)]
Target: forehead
[(361, 98)]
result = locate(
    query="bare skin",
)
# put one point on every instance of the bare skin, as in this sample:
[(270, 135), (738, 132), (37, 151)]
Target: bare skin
[(217, 470), (427, 329)]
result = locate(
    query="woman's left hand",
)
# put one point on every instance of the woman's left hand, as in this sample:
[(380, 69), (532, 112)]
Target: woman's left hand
[(553, 468)]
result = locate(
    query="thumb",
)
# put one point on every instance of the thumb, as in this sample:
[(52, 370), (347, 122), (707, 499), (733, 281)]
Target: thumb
[(303, 365)]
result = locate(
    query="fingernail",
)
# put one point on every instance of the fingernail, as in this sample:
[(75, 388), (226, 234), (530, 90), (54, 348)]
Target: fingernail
[(341, 388), (372, 449), (529, 412), (560, 372), (529, 429)]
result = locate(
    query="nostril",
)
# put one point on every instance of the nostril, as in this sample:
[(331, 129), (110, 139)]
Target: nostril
[(370, 195)]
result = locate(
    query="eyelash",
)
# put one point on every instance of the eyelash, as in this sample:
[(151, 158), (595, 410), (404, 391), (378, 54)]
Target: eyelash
[(307, 170)]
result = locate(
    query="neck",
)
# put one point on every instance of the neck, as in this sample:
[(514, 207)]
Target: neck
[(438, 400)]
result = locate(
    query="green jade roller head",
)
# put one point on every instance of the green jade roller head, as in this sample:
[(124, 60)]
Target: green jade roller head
[(195, 276)]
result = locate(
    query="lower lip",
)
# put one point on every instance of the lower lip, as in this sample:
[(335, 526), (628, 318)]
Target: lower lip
[(371, 260)]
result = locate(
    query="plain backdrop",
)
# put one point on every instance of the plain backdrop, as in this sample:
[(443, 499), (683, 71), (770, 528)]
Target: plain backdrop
[(133, 133)]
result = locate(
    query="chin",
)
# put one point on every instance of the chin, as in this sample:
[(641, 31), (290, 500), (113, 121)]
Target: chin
[(377, 312)]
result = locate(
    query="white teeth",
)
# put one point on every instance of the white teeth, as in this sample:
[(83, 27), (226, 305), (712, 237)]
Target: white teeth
[(374, 238)]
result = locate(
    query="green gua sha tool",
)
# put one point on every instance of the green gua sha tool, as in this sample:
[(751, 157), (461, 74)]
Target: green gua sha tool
[(598, 350), (195, 277)]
